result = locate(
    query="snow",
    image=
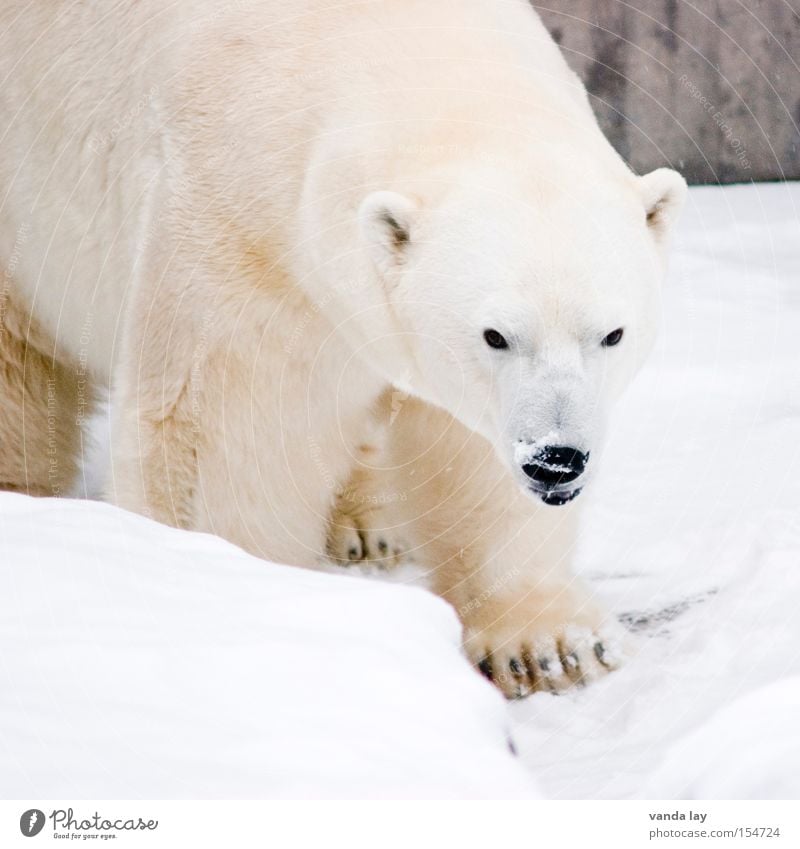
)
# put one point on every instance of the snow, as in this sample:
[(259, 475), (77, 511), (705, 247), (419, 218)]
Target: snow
[(524, 452), (749, 749), (144, 661), (141, 661)]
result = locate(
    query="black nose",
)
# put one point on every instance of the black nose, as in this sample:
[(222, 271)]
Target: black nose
[(555, 465)]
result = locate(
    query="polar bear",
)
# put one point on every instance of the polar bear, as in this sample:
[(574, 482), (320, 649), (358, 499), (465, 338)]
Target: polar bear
[(363, 279)]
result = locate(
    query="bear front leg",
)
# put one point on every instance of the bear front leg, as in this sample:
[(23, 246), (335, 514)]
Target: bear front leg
[(499, 557), (154, 422), (41, 402), (363, 525), (528, 628), (529, 623)]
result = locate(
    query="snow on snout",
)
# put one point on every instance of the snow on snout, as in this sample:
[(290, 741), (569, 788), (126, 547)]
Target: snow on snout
[(525, 452)]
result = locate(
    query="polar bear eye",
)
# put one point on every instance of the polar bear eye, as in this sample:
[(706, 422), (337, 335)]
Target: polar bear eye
[(495, 339), (613, 338)]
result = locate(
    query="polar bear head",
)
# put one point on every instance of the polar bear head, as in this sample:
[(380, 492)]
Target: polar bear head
[(524, 306)]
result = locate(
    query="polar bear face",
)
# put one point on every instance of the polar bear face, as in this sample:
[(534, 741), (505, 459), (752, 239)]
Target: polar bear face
[(525, 310)]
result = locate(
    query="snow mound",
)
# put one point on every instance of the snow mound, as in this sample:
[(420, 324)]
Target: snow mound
[(142, 661)]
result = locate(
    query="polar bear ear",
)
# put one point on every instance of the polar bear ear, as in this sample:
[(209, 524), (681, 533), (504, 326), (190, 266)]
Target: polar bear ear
[(663, 192), (386, 220)]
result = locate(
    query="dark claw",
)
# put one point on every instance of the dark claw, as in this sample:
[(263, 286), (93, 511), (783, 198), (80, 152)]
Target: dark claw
[(353, 553), (485, 667), (571, 660), (383, 546), (515, 666), (529, 667), (600, 652), (512, 748), (544, 664)]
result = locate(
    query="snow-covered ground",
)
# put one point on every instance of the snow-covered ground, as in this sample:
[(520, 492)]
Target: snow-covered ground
[(139, 661), (136, 660)]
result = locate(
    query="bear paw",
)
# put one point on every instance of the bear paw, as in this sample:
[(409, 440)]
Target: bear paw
[(351, 541), (547, 654)]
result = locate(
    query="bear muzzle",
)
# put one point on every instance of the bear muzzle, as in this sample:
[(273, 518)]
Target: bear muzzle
[(552, 470)]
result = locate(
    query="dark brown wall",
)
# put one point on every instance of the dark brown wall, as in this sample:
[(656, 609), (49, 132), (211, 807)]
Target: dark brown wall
[(710, 87)]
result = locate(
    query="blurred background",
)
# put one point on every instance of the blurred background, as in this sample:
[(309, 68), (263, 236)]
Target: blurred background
[(710, 87)]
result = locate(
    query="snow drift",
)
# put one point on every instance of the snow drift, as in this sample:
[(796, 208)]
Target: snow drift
[(143, 661)]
